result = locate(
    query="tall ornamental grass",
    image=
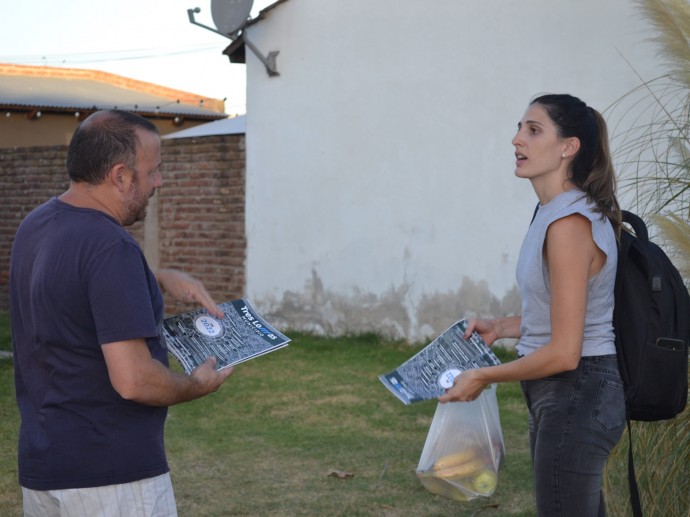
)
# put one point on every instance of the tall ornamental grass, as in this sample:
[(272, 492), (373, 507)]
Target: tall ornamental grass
[(653, 156)]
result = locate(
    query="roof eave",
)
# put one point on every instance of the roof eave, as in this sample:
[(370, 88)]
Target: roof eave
[(84, 111), (236, 50)]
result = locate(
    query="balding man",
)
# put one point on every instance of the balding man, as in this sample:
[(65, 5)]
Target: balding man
[(91, 366)]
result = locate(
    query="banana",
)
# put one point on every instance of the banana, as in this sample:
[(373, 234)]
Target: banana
[(455, 459), (462, 470)]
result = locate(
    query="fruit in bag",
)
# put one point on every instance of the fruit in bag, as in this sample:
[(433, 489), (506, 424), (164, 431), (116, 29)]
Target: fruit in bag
[(441, 487), (460, 471), (452, 460), (485, 482)]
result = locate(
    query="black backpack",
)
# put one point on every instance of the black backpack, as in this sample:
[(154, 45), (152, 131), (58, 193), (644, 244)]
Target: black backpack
[(652, 322), (651, 318)]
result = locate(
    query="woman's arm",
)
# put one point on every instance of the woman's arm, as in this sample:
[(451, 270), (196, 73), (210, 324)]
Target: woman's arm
[(572, 258)]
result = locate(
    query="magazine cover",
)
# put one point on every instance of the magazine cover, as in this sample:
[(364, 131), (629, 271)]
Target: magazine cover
[(241, 335), (432, 370)]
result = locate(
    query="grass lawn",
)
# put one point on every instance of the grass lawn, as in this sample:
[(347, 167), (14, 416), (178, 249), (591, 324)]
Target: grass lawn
[(265, 444)]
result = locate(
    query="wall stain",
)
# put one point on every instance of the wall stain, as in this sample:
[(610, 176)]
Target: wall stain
[(394, 314)]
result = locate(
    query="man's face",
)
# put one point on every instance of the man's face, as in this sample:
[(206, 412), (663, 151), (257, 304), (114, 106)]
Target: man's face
[(145, 179)]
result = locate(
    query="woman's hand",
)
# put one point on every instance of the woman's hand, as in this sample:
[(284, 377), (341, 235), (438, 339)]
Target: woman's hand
[(487, 329), (497, 328), (468, 386)]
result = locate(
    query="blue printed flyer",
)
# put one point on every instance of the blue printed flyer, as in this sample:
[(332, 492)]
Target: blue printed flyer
[(427, 374), (241, 335)]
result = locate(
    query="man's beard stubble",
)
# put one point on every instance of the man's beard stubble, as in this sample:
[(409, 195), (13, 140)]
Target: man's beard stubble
[(136, 204)]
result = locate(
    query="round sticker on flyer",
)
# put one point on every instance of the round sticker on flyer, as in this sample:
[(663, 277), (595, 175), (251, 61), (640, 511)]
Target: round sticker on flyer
[(447, 378), (208, 326)]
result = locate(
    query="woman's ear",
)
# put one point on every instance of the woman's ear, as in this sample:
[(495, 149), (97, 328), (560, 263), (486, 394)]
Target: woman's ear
[(570, 147)]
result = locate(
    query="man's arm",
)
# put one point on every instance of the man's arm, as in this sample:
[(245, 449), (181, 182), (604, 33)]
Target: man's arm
[(137, 376)]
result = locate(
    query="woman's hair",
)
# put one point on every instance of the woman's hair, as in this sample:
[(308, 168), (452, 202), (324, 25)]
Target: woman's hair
[(591, 169), (103, 140)]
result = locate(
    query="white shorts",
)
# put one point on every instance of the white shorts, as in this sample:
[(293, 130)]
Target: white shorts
[(152, 497)]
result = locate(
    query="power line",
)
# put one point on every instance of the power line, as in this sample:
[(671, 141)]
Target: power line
[(95, 57)]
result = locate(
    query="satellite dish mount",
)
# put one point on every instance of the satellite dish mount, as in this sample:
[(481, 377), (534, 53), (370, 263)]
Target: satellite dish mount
[(230, 18)]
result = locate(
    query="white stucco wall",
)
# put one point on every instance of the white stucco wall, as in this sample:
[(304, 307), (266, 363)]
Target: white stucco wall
[(379, 163)]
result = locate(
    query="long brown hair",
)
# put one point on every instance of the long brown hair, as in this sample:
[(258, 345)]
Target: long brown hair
[(591, 169)]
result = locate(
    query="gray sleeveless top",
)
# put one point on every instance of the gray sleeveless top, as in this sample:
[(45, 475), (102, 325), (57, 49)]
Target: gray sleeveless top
[(533, 279)]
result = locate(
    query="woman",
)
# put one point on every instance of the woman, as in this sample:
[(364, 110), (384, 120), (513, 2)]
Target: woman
[(566, 272)]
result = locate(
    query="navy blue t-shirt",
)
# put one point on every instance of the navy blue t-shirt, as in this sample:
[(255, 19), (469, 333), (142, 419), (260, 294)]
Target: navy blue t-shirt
[(78, 280)]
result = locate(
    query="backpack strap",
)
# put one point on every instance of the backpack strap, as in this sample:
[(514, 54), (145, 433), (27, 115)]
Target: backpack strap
[(640, 230), (536, 209), (632, 480), (637, 224)]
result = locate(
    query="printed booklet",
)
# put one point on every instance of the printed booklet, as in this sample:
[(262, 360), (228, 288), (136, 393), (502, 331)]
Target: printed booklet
[(241, 335), (427, 374)]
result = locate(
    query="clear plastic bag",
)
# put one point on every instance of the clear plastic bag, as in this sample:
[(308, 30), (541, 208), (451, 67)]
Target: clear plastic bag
[(464, 449)]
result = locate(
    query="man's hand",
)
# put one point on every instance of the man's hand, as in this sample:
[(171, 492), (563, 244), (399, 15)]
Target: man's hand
[(187, 289), (208, 377), (137, 376)]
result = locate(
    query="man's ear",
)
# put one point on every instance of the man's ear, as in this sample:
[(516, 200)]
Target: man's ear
[(571, 146), (117, 176)]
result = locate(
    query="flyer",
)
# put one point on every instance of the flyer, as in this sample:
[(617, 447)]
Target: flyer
[(193, 337), (432, 370)]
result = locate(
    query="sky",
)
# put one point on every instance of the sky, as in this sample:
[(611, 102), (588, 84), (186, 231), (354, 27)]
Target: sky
[(148, 40)]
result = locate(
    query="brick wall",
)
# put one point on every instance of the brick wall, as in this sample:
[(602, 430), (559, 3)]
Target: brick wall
[(199, 222), (28, 176), (201, 213)]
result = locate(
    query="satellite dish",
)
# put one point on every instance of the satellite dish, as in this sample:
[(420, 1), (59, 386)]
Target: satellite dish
[(230, 15)]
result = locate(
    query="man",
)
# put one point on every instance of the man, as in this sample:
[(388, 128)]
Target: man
[(91, 371)]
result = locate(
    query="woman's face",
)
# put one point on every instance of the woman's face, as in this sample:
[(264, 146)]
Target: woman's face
[(538, 147)]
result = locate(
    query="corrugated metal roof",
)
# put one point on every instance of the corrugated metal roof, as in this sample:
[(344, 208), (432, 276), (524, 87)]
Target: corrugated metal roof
[(63, 94), (227, 126)]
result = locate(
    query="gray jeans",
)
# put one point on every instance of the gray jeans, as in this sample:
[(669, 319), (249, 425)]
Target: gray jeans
[(575, 420)]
